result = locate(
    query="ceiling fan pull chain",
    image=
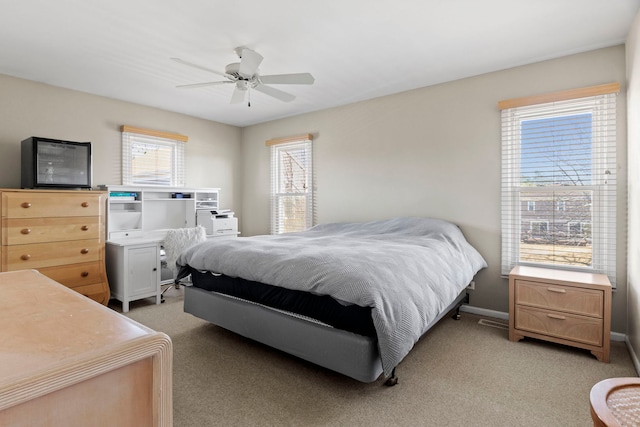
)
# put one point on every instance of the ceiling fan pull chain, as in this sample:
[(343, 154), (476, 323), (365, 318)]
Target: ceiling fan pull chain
[(249, 103)]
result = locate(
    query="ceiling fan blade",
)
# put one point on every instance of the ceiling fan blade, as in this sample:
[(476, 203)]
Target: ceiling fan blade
[(288, 79), (238, 96), (200, 67), (249, 62), (276, 93), (202, 84)]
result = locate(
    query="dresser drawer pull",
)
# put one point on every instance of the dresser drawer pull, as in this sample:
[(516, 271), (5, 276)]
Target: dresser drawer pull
[(84, 274), (84, 227), (556, 316), (85, 204), (25, 257), (557, 290), (84, 251), (26, 205), (25, 231)]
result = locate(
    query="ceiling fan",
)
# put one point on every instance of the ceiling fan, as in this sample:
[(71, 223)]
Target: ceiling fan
[(246, 76)]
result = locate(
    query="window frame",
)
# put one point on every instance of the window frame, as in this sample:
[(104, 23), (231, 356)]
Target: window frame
[(598, 101), (132, 136), (278, 148)]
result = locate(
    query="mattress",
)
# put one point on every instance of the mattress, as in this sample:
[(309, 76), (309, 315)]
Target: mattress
[(323, 308)]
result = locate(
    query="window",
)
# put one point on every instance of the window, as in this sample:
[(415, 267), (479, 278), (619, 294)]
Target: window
[(559, 155), (539, 228), (152, 158), (291, 184)]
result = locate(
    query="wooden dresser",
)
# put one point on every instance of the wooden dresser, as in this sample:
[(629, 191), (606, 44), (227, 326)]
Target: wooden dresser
[(67, 361), (566, 307), (61, 233)]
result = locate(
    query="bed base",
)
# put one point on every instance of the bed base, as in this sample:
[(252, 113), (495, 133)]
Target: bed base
[(347, 353)]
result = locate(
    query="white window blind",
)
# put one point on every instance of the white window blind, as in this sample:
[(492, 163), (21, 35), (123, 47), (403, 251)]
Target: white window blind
[(152, 158), (559, 182), (291, 184)]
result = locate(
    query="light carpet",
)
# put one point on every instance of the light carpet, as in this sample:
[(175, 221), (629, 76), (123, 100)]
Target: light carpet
[(461, 373)]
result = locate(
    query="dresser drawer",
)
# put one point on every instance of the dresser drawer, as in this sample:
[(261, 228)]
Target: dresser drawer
[(22, 231), (35, 205), (75, 275), (587, 302), (25, 257), (582, 329), (95, 291)]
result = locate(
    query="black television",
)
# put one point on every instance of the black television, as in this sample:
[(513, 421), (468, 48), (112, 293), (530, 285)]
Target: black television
[(54, 163)]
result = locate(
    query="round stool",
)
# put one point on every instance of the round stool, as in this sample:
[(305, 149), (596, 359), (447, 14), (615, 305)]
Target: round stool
[(615, 402)]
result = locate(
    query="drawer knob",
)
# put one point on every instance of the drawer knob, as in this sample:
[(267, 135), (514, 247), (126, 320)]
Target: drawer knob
[(26, 205), (557, 290), (84, 274), (25, 231), (84, 227), (85, 204), (84, 251), (25, 257)]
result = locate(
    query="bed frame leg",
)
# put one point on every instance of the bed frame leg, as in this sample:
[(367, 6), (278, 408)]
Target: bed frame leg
[(456, 314), (392, 380)]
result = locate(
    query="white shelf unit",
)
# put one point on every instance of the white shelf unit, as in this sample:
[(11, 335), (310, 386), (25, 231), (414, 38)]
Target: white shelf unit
[(137, 222), (142, 212)]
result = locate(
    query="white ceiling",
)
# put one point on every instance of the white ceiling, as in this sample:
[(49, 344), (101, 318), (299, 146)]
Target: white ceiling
[(355, 49)]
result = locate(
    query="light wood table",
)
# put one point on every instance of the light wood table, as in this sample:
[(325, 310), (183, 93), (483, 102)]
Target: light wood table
[(66, 360)]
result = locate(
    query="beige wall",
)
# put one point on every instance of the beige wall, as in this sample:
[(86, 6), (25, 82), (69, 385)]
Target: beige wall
[(430, 152), (633, 99), (213, 153)]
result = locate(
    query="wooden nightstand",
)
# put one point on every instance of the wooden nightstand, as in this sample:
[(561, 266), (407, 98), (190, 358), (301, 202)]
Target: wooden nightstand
[(565, 307)]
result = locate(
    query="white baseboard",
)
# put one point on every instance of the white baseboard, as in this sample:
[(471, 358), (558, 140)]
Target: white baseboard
[(615, 336), (634, 356)]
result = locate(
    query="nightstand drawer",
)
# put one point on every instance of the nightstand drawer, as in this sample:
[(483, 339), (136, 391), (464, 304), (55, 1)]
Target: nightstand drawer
[(587, 302), (582, 329), (22, 231)]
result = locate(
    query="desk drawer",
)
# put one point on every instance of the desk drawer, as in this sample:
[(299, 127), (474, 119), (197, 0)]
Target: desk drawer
[(22, 231), (582, 329), (587, 302), (25, 257), (35, 205)]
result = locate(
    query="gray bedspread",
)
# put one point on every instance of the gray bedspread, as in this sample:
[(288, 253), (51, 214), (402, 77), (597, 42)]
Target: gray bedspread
[(406, 269)]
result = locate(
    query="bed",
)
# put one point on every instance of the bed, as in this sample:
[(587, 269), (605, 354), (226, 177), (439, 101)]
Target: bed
[(351, 297)]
